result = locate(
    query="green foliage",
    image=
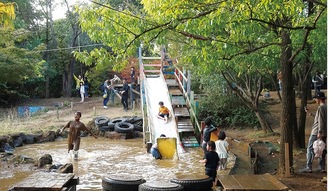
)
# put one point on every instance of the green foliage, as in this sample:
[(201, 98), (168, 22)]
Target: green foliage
[(226, 111), (17, 66), (225, 108)]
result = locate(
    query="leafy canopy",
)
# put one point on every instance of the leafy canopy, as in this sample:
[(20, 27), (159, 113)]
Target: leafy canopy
[(205, 34)]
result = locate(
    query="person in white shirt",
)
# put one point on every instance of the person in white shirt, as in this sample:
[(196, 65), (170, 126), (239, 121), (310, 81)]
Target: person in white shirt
[(222, 148), (82, 92)]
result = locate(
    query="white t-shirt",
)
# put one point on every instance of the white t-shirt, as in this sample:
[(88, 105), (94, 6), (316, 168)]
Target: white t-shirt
[(221, 146)]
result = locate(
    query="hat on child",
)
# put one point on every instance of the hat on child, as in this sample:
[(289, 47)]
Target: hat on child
[(319, 95)]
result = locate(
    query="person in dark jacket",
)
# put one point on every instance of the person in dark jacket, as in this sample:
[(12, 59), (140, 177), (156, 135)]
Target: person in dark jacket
[(124, 94), (206, 134)]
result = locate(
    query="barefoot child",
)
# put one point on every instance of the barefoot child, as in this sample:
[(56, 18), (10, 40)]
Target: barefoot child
[(211, 161), (163, 112)]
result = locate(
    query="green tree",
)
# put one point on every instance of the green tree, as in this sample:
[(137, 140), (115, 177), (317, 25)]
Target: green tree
[(17, 65), (244, 35)]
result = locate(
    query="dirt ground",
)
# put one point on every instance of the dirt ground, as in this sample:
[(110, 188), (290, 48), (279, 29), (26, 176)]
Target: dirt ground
[(92, 107), (298, 181)]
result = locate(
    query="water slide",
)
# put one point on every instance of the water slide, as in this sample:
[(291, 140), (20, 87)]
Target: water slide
[(156, 90)]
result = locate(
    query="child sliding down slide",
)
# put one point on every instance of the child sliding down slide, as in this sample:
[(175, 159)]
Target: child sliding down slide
[(163, 112)]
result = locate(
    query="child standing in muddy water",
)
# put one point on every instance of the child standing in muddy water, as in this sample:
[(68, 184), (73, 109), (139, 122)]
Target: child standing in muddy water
[(211, 161), (75, 127)]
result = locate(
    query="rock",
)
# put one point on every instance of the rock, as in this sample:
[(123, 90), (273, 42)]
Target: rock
[(22, 159), (18, 141), (324, 179), (67, 168), (49, 137), (45, 159), (8, 149), (29, 139)]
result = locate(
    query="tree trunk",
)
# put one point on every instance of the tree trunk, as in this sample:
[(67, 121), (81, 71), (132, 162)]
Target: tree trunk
[(47, 57), (288, 101), (263, 123), (75, 33), (249, 92), (305, 88)]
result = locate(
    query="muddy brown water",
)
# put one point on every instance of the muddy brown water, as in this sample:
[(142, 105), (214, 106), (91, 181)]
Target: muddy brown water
[(102, 157)]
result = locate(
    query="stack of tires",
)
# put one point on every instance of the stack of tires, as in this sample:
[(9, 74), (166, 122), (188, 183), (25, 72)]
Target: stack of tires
[(120, 124), (121, 182), (131, 182)]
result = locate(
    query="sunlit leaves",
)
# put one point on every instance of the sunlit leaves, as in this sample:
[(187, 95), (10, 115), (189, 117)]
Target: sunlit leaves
[(7, 14)]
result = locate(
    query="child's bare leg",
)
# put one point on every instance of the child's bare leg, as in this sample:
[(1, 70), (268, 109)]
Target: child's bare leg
[(160, 117), (165, 119)]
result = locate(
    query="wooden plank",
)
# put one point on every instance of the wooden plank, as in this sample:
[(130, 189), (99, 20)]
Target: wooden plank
[(171, 83), (181, 112), (185, 130), (46, 181), (228, 182), (158, 65), (287, 159), (151, 58), (178, 100), (184, 122), (276, 182), (151, 71), (185, 127), (249, 182), (175, 92)]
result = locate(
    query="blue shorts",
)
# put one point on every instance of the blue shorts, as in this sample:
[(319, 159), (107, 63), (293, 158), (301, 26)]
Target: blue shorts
[(163, 115)]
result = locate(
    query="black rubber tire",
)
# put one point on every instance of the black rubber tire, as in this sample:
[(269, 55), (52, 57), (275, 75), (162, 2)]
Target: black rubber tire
[(106, 128), (112, 122), (101, 121), (122, 182), (160, 186), (138, 128), (129, 119), (138, 121), (123, 127), (194, 183)]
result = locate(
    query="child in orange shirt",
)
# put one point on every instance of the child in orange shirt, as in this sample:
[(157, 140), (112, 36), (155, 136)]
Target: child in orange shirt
[(163, 112)]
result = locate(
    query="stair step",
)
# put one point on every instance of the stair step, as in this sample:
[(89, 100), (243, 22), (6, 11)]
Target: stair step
[(190, 141), (151, 71), (185, 130), (191, 145), (175, 92), (181, 112), (184, 122), (178, 101), (151, 58), (158, 65), (171, 83)]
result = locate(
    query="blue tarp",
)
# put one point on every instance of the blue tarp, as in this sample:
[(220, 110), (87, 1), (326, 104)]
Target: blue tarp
[(24, 111)]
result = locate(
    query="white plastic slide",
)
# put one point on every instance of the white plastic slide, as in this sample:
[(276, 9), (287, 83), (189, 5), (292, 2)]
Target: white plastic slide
[(156, 90)]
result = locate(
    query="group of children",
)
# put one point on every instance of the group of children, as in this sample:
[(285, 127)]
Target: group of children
[(215, 153)]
